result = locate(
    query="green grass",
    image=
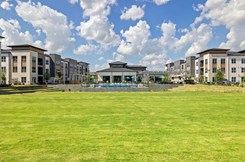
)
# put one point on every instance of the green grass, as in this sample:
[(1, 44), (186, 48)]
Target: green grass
[(163, 126)]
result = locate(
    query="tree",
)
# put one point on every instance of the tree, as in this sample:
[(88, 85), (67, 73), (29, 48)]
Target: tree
[(166, 77), (46, 76), (201, 79), (219, 77), (59, 77), (3, 77), (243, 77)]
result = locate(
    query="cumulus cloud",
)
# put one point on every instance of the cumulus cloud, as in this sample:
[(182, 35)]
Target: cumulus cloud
[(13, 34), (98, 27), (161, 2), (195, 40), (133, 13), (135, 39), (85, 49), (52, 23), (6, 5), (168, 38), (73, 1), (229, 14)]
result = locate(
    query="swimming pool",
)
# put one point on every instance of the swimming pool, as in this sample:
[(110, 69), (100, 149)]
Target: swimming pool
[(116, 85)]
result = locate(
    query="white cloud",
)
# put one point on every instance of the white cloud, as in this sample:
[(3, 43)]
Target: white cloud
[(229, 14), (161, 2), (73, 1), (98, 28), (136, 37), (196, 40), (168, 38), (133, 13), (52, 23), (6, 5), (118, 57), (154, 61), (13, 35), (85, 49)]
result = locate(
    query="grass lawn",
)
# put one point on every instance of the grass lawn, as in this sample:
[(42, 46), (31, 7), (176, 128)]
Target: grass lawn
[(162, 126)]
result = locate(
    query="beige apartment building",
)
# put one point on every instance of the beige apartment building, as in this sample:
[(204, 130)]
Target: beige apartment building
[(6, 65), (232, 64), (27, 64), (0, 58)]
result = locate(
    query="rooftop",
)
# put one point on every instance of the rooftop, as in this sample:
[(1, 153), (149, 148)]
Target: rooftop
[(116, 70), (26, 46), (118, 63), (214, 50), (135, 66)]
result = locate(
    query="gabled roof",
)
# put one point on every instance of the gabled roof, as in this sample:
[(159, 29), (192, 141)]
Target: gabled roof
[(118, 63), (214, 50), (116, 70)]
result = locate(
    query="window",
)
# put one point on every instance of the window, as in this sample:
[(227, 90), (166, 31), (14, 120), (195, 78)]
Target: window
[(15, 69), (233, 60), (34, 80), (213, 79), (233, 79), (243, 70), (4, 69), (233, 70), (23, 79), (214, 60), (206, 70), (33, 59), (222, 61), (3, 59), (33, 69), (223, 70), (15, 58), (214, 70), (206, 61), (23, 58), (196, 63), (47, 62), (243, 60), (23, 69), (196, 71)]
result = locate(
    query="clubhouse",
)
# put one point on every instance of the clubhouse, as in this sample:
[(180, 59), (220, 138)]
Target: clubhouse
[(119, 72)]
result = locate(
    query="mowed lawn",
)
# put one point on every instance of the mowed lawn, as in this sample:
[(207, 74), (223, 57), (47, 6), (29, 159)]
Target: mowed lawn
[(153, 126)]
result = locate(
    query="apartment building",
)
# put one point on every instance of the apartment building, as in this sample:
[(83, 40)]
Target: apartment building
[(64, 71), (232, 64), (83, 71), (0, 57), (6, 66), (73, 69), (27, 64), (55, 68), (181, 70)]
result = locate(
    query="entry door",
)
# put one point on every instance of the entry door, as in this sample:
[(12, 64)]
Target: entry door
[(117, 79)]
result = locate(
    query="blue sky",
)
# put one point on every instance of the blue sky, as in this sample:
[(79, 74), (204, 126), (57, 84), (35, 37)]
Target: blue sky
[(147, 32)]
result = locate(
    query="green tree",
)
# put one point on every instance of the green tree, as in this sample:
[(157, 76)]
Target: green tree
[(166, 77), (201, 79), (3, 77), (46, 76), (59, 77), (243, 77), (219, 77)]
